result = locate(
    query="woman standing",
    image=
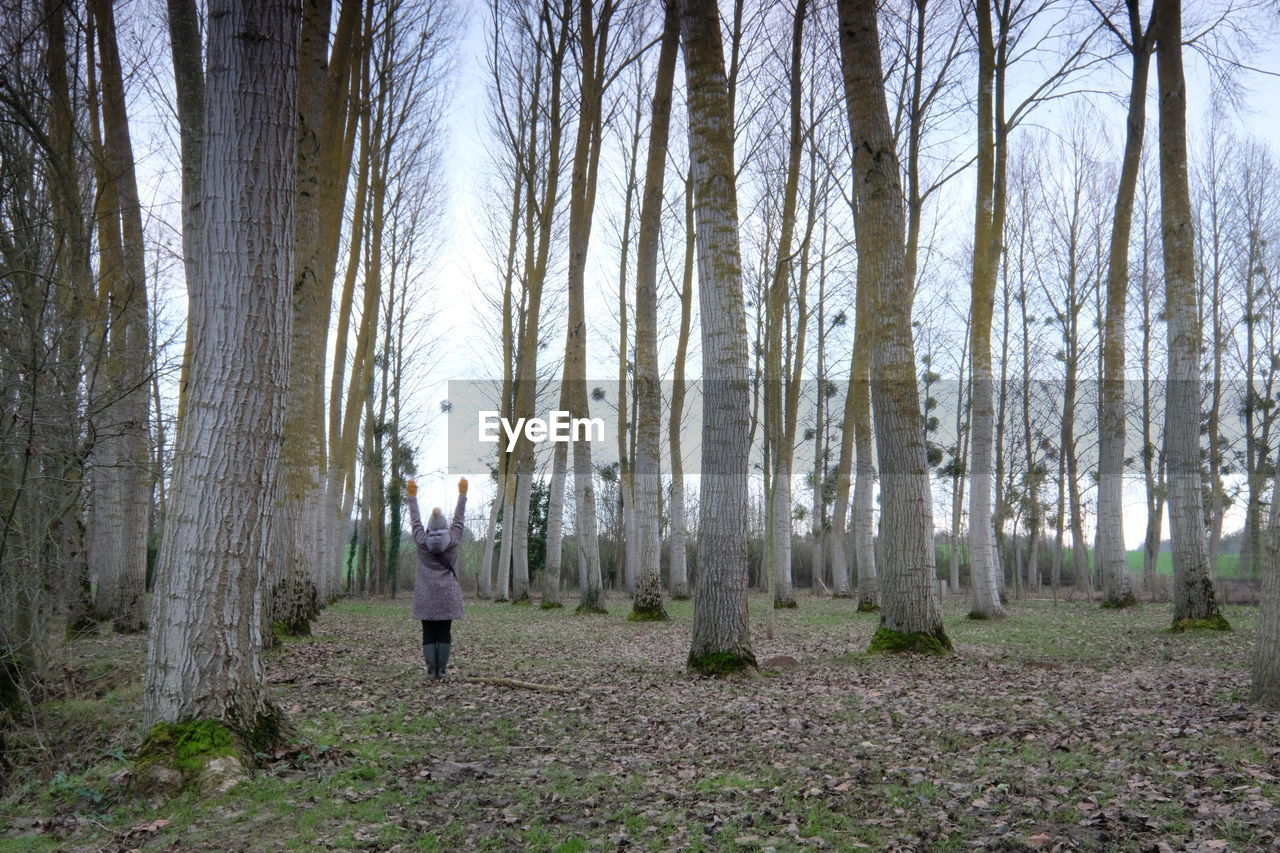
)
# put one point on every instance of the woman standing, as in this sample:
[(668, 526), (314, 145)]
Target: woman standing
[(437, 595)]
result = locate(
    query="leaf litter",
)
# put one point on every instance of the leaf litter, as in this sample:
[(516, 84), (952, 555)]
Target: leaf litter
[(1056, 729)]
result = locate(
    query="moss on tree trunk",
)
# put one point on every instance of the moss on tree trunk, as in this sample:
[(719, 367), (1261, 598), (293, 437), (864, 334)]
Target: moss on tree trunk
[(887, 640), (722, 664), (647, 604), (592, 602), (1124, 601), (1216, 622)]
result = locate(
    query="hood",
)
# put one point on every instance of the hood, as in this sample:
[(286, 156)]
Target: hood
[(437, 541), (437, 532)]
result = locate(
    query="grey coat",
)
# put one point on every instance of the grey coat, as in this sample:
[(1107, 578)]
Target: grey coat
[(436, 591)]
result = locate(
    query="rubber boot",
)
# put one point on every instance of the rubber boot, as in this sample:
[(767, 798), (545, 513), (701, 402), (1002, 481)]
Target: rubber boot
[(429, 655), (442, 659)]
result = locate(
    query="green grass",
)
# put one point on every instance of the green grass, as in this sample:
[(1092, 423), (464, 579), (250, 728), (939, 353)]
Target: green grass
[(1228, 565), (1034, 715)]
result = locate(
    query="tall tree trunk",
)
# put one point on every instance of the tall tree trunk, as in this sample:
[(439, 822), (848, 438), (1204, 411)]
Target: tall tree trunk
[(555, 529), (626, 494), (984, 559), (840, 581), (322, 167), (187, 53), (648, 543), (1194, 602), (1034, 468), (539, 220), (204, 652), (910, 618), (122, 499), (779, 515), (1113, 561), (586, 163), (70, 572), (821, 415), (864, 541), (679, 557), (964, 410), (1266, 655), (721, 631), (1153, 457)]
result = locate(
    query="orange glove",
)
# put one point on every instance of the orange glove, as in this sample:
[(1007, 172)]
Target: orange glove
[(462, 486), (411, 487)]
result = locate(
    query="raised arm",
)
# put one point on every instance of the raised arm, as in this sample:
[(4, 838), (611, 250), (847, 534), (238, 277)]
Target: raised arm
[(415, 520), (459, 514)]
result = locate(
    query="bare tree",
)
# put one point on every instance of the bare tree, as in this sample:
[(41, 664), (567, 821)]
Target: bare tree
[(204, 652), (1194, 602), (910, 618), (1111, 557), (647, 603), (721, 632), (121, 453)]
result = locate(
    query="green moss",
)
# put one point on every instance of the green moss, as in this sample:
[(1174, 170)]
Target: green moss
[(648, 614), (1216, 622), (721, 664), (785, 605), (889, 641), (552, 605), (1125, 601), (977, 616), (268, 731), (187, 747), (646, 604), (592, 603), (523, 601), (867, 606)]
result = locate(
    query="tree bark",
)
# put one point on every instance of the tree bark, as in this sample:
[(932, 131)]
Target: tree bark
[(122, 494), (1266, 656), (984, 559), (721, 631), (1111, 556), (679, 569), (648, 413), (586, 163), (187, 53), (779, 512), (322, 167), (864, 525), (910, 617), (1194, 602), (204, 652)]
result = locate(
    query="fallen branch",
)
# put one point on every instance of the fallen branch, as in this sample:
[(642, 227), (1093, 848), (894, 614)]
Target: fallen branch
[(511, 682)]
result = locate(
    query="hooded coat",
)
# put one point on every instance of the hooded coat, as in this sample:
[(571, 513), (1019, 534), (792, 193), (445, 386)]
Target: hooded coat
[(436, 591)]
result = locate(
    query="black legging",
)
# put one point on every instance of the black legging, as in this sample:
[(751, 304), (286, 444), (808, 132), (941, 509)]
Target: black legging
[(436, 631)]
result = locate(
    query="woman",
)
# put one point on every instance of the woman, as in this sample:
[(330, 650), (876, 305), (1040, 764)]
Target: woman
[(437, 595)]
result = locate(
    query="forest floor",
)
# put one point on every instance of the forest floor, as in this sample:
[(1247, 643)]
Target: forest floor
[(1059, 728)]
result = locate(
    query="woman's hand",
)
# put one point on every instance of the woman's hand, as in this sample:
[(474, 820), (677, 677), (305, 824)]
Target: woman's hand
[(462, 486), (411, 488)]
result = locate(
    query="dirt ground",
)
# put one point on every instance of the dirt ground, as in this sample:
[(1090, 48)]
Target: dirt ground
[(1059, 728)]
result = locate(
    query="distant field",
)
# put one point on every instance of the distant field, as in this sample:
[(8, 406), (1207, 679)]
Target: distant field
[(1228, 564)]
